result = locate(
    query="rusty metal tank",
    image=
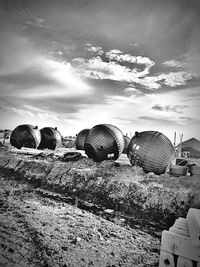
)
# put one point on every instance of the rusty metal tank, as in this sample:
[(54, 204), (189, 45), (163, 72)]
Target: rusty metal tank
[(126, 143), (104, 141), (25, 135), (80, 139), (150, 150), (50, 138)]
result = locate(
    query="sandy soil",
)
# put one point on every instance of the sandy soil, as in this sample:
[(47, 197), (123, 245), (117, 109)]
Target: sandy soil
[(37, 231)]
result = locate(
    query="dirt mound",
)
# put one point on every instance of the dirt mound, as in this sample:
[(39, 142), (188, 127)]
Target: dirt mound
[(123, 188)]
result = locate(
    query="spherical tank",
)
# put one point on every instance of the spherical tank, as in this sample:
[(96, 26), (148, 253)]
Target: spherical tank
[(104, 141), (150, 150), (126, 142), (25, 135), (80, 139), (50, 138)]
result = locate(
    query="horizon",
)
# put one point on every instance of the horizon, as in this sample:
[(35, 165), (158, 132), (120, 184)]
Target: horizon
[(69, 64), (130, 135)]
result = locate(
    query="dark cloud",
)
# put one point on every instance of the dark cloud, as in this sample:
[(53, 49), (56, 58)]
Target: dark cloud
[(28, 78), (169, 121), (63, 105), (167, 108), (70, 106), (39, 38)]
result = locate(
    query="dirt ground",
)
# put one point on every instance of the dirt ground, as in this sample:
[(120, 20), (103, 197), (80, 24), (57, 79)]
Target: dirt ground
[(37, 231), (45, 203)]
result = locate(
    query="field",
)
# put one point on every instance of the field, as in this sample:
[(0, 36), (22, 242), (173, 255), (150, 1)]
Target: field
[(82, 213)]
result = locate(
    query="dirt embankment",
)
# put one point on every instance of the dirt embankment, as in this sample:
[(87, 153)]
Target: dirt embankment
[(124, 189), (38, 232)]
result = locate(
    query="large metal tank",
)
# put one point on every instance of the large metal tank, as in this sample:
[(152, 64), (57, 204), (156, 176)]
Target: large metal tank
[(126, 143), (104, 141), (25, 135), (50, 138), (80, 139), (150, 150)]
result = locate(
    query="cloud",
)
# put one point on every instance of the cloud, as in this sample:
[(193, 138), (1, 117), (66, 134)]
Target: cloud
[(47, 116), (133, 91), (30, 111), (96, 68), (148, 63), (121, 67), (113, 52), (168, 108), (170, 120), (173, 63), (172, 79), (36, 22), (94, 49), (28, 78), (32, 73), (18, 111), (46, 78), (125, 99)]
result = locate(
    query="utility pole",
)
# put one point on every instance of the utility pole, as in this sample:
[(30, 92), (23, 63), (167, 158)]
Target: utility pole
[(174, 139), (180, 145)]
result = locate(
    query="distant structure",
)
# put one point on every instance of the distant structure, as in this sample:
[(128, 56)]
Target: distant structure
[(126, 142), (25, 135), (104, 141), (190, 148), (80, 139), (5, 136), (50, 138), (150, 150)]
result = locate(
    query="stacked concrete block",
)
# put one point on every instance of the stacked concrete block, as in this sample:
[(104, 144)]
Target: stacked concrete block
[(180, 245)]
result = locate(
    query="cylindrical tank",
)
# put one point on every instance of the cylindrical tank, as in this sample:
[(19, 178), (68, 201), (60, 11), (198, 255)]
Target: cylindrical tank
[(25, 135), (80, 139), (150, 150), (126, 142), (50, 138), (104, 141)]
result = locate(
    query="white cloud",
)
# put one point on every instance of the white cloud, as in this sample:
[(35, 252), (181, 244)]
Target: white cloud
[(114, 51), (19, 56), (148, 63), (125, 99), (172, 79), (118, 69), (94, 49), (65, 80), (18, 111), (174, 63), (47, 116), (60, 53), (133, 91), (96, 68), (30, 111)]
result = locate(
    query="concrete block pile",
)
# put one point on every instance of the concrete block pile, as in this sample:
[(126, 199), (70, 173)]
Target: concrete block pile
[(180, 245)]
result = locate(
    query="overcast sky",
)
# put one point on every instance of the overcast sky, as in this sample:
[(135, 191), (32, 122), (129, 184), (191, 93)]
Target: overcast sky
[(77, 63)]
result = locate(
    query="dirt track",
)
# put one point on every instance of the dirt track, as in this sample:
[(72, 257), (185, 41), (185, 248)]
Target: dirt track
[(36, 231)]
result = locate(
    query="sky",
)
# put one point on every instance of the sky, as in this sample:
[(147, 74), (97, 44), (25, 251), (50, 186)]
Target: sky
[(73, 64)]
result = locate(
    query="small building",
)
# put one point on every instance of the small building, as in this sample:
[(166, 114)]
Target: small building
[(190, 148)]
